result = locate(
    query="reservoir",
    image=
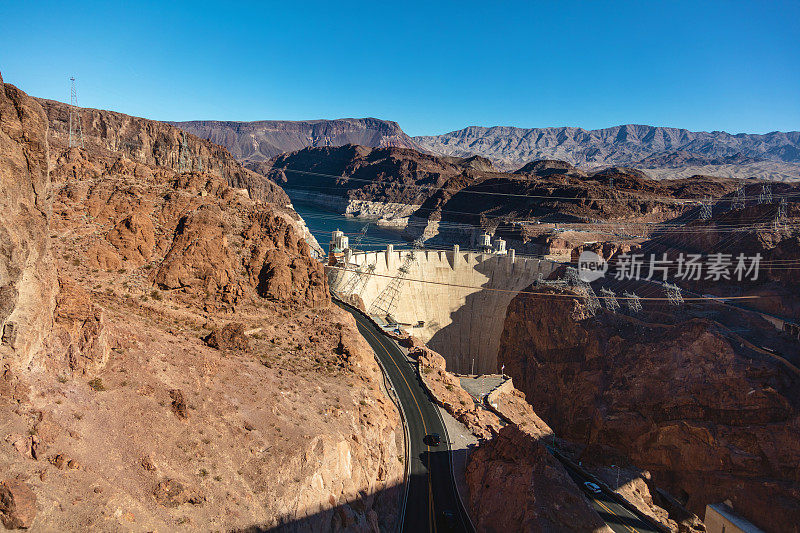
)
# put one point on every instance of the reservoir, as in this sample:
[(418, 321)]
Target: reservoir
[(322, 222)]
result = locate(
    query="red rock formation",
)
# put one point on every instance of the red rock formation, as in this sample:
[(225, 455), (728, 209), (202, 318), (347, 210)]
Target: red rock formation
[(80, 332), (447, 390), (229, 337), (284, 430), (134, 238), (27, 275), (708, 418), (17, 504), (154, 143), (517, 485)]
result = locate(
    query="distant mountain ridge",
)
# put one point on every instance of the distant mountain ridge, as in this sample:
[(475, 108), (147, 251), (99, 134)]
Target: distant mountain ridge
[(629, 144), (264, 139), (663, 152)]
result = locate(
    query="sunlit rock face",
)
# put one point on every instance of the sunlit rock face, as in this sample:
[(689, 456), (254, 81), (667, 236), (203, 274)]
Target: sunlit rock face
[(710, 419)]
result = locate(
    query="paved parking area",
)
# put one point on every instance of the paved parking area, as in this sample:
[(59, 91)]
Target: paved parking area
[(480, 386)]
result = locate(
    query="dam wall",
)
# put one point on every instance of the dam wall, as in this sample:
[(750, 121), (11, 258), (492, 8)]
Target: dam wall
[(461, 297)]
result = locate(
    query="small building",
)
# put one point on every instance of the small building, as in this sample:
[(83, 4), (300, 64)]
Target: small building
[(339, 243), (485, 243), (720, 518), (500, 246)]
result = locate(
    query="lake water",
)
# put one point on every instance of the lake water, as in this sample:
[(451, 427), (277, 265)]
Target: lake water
[(321, 223)]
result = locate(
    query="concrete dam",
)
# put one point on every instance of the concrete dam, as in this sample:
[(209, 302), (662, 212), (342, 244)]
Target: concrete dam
[(455, 301)]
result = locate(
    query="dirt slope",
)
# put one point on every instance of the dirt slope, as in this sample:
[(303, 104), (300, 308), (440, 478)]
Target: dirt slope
[(115, 414)]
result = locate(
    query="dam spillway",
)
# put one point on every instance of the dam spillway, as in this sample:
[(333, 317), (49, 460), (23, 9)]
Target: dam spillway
[(455, 301)]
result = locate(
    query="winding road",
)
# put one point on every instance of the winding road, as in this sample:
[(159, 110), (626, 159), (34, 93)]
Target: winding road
[(432, 502), (616, 516)]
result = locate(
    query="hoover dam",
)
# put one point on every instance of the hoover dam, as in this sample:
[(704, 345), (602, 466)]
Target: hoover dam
[(453, 300)]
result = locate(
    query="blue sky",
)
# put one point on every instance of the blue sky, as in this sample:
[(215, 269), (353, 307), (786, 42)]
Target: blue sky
[(433, 67)]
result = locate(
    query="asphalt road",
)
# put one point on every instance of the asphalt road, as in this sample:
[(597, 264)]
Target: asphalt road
[(433, 504), (617, 517)]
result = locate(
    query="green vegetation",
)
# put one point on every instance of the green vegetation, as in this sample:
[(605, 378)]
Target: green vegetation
[(97, 384)]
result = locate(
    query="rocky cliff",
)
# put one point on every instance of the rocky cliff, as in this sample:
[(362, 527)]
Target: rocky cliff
[(752, 229), (154, 143), (456, 198), (27, 272), (708, 415), (514, 483), (264, 139), (537, 493), (174, 360), (373, 182), (630, 145)]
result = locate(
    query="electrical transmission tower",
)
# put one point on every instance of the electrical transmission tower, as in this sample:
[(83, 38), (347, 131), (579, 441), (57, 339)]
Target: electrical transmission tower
[(571, 276), (673, 294), (780, 217), (355, 284), (75, 126), (632, 301), (705, 209), (184, 159), (584, 289), (541, 282), (739, 203), (766, 194), (611, 299), (386, 300)]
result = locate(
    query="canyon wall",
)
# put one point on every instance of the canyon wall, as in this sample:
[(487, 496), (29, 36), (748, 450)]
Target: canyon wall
[(156, 143), (264, 139), (170, 357), (462, 299), (710, 418), (27, 272)]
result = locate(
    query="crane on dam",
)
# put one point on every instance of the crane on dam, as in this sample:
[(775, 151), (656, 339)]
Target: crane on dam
[(384, 304), (356, 283)]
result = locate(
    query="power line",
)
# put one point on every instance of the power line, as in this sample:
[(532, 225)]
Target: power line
[(509, 180), (512, 222), (546, 294)]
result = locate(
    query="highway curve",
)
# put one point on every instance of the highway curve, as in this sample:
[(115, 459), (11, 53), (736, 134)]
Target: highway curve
[(616, 516), (433, 504)]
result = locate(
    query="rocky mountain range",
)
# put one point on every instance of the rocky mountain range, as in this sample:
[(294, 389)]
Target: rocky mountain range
[(634, 145), (666, 152), (264, 139)]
